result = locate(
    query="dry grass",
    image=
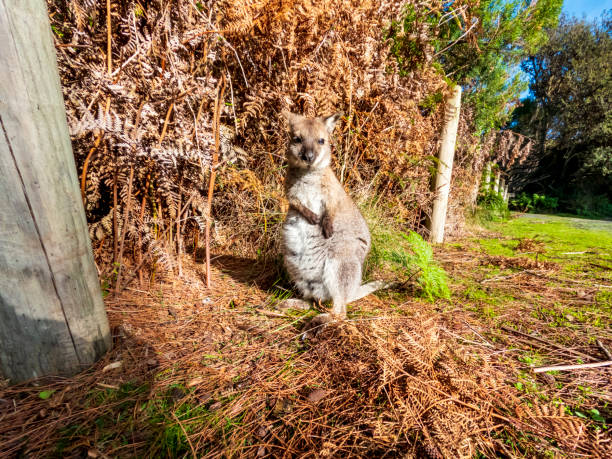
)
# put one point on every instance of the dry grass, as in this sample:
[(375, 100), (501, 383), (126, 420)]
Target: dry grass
[(151, 114), (221, 373)]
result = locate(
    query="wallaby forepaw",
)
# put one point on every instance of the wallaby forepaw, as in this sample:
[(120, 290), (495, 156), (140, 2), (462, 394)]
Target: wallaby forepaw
[(316, 325), (305, 212), (311, 217), (327, 227)]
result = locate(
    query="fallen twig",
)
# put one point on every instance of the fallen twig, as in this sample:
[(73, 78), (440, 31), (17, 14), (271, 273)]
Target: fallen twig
[(531, 273), (271, 313), (573, 367), (496, 278), (478, 334), (547, 342), (465, 340), (604, 349), (126, 218), (211, 181)]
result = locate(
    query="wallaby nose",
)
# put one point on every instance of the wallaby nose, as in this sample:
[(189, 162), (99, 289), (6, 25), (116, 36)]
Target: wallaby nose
[(308, 156)]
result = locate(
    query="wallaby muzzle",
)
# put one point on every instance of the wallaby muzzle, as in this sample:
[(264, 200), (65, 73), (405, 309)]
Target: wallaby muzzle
[(308, 156)]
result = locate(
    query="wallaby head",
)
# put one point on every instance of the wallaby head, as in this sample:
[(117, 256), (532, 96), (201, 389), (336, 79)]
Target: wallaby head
[(309, 146)]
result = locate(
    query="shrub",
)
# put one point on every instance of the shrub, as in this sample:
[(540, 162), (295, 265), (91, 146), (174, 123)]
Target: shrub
[(545, 203), (409, 256), (588, 205), (492, 207), (523, 203), (535, 202)]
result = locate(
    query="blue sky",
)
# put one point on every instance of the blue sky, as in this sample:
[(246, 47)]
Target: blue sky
[(589, 8)]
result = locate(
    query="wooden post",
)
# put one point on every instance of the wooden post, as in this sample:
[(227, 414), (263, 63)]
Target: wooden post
[(506, 193), (487, 177), (445, 166), (502, 186), (496, 182), (52, 318)]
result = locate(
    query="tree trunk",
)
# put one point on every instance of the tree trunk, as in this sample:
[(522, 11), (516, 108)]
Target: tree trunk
[(445, 166), (52, 318)]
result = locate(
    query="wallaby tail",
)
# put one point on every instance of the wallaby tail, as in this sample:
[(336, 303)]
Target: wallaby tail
[(370, 287)]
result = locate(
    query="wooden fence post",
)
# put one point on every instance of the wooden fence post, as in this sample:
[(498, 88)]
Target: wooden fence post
[(496, 181), (52, 318), (445, 166), (487, 177)]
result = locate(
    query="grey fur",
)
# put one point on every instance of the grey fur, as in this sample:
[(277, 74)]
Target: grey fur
[(325, 239)]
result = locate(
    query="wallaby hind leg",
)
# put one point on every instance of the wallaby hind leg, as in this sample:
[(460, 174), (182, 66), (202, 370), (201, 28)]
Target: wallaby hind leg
[(342, 279), (365, 289)]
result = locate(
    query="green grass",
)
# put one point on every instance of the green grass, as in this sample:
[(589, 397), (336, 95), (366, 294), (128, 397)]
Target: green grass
[(499, 247), (582, 248), (559, 234), (114, 423), (162, 414)]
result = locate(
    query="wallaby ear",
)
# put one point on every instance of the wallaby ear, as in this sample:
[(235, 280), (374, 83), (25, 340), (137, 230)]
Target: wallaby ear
[(292, 118), (330, 121)]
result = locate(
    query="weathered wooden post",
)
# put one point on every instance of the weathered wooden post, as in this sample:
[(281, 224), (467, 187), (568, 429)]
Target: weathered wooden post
[(502, 186), (496, 181), (445, 166), (52, 318), (487, 177)]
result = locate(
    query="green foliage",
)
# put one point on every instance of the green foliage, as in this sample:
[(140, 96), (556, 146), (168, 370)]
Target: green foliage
[(509, 31), (408, 46), (569, 114), (506, 31), (491, 200), (163, 413), (589, 205), (45, 394), (409, 256), (431, 102), (57, 31), (534, 203), (478, 45), (545, 203), (431, 278), (491, 207)]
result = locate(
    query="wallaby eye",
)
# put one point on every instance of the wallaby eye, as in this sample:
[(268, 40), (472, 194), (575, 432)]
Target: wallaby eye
[(297, 139), (321, 141)]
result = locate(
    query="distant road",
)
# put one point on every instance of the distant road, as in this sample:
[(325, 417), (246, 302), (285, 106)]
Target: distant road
[(601, 225)]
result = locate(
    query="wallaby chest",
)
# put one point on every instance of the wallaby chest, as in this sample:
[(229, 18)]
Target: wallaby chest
[(308, 189)]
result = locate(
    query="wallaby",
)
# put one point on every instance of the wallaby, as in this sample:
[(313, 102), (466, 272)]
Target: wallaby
[(325, 239)]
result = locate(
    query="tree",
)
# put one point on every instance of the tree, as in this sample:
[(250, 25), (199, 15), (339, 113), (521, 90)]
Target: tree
[(569, 111), (486, 61)]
